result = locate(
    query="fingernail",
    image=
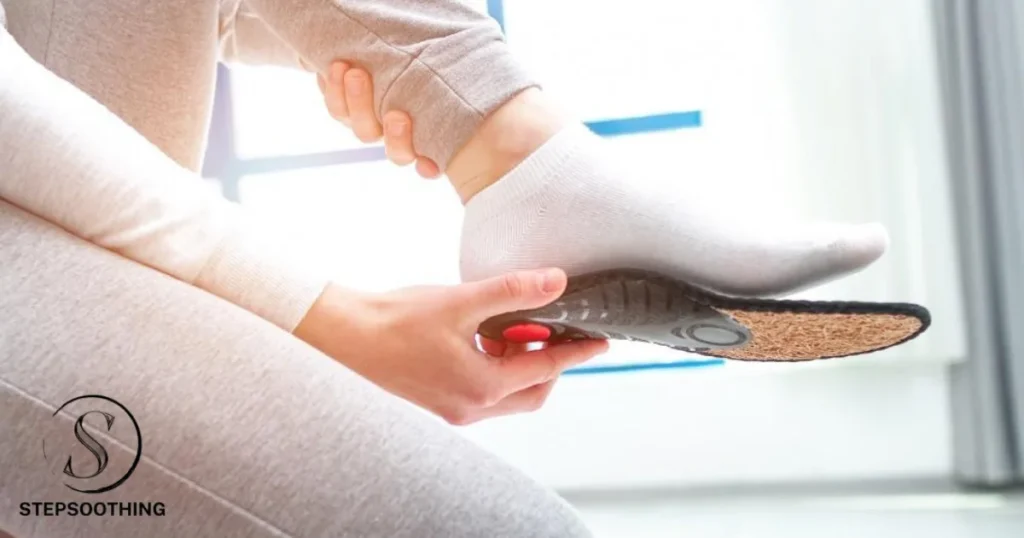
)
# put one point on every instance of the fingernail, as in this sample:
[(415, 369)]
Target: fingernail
[(337, 74), (396, 128), (358, 84), (552, 281)]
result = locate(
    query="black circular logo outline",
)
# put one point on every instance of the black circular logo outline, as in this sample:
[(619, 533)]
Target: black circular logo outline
[(138, 435)]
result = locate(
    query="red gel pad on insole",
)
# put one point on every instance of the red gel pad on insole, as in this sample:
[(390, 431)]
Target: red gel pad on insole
[(526, 333)]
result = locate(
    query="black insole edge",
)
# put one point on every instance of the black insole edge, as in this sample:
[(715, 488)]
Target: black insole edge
[(723, 302)]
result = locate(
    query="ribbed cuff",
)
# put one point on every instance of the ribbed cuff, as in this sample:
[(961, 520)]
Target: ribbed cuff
[(452, 87), (550, 162), (263, 276)]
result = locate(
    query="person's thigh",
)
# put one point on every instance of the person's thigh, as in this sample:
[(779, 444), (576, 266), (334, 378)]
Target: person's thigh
[(245, 430), (153, 63)]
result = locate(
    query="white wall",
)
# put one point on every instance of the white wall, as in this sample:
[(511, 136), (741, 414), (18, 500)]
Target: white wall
[(733, 425)]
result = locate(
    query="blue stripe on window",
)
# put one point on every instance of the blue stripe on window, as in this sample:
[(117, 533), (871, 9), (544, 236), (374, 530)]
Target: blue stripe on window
[(619, 368), (646, 124), (496, 9)]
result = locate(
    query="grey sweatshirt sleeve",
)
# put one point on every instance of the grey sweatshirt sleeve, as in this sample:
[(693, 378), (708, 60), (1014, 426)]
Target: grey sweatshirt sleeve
[(441, 61), (245, 39)]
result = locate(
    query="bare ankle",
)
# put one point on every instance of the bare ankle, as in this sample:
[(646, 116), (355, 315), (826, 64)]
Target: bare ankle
[(506, 137)]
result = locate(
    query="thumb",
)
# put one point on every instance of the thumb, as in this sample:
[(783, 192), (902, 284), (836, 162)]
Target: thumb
[(522, 290)]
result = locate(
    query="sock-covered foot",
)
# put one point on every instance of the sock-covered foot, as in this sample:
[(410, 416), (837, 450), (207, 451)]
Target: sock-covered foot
[(571, 205)]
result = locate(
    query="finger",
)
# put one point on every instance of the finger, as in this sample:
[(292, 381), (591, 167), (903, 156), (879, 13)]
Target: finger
[(525, 401), (398, 138), (321, 82), (499, 348), (510, 292), (494, 348), (515, 348), (359, 96), (525, 370), (334, 93), (427, 168)]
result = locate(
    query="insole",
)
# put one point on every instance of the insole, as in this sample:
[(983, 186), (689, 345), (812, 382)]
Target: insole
[(635, 305)]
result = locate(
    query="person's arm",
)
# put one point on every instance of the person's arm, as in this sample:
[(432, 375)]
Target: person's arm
[(70, 161), (441, 61), (245, 39)]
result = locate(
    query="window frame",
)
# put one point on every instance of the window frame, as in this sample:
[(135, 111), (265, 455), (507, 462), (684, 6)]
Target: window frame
[(224, 165)]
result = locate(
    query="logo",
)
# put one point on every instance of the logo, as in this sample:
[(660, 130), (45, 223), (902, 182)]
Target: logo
[(81, 457), (96, 452)]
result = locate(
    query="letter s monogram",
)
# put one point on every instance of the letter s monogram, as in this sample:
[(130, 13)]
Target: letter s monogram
[(91, 444)]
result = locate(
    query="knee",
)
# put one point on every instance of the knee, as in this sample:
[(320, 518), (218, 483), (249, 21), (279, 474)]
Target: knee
[(549, 516), (520, 510)]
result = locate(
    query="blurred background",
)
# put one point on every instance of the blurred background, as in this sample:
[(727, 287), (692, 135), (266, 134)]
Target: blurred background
[(908, 113)]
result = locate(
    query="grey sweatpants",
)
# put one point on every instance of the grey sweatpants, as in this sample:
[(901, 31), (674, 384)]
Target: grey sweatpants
[(245, 430)]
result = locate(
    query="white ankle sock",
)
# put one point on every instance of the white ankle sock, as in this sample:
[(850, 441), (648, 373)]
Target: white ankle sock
[(572, 205)]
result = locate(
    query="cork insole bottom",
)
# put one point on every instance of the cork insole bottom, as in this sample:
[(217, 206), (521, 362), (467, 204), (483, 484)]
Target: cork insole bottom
[(802, 336), (633, 305)]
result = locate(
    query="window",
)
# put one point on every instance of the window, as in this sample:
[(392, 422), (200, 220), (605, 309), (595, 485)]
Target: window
[(818, 109), (298, 166)]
